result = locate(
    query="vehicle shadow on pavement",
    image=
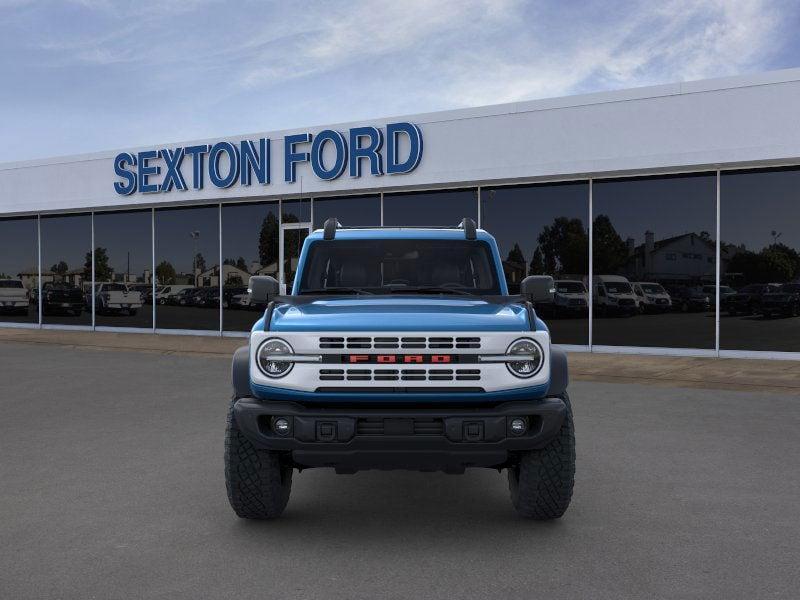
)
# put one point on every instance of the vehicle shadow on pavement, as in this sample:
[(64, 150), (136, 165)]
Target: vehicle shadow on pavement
[(370, 503)]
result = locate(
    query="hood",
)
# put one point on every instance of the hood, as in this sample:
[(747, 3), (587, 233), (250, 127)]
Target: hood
[(400, 314)]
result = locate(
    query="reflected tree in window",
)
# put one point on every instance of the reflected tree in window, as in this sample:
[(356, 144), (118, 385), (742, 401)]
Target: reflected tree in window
[(165, 273), (610, 250), (250, 235), (268, 240)]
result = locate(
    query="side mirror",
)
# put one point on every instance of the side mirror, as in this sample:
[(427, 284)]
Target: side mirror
[(538, 288), (262, 289)]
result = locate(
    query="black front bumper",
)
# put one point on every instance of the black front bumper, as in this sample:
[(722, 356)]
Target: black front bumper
[(354, 438)]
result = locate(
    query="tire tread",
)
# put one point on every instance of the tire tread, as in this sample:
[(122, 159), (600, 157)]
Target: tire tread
[(257, 482), (541, 484)]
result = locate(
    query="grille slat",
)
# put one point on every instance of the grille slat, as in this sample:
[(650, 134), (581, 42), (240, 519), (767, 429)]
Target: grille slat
[(409, 343), (400, 374)]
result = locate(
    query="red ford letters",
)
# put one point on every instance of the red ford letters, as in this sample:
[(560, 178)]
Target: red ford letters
[(400, 358)]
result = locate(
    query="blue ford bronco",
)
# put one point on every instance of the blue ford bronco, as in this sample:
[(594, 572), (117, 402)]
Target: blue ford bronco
[(400, 348)]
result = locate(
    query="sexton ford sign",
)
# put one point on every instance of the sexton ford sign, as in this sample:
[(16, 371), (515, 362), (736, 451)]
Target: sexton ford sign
[(225, 164)]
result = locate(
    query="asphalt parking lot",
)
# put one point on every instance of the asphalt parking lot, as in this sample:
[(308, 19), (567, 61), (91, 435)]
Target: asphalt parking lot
[(112, 487)]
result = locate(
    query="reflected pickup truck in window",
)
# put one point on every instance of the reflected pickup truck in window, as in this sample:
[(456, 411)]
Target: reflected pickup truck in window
[(14, 298), (400, 349), (115, 298)]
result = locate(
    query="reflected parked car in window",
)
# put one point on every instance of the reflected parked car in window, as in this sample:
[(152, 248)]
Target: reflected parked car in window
[(231, 296), (114, 298), (651, 297), (166, 295), (206, 297), (689, 299), (613, 294), (145, 290), (62, 298), (726, 292), (571, 297), (785, 301), (747, 300), (183, 297), (14, 298)]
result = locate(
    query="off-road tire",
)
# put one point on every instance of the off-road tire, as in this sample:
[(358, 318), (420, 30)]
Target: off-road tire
[(257, 481), (541, 482)]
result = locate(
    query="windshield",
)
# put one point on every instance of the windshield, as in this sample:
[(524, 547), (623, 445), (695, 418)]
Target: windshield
[(392, 266), (618, 288), (10, 283), (570, 287), (790, 288), (652, 288)]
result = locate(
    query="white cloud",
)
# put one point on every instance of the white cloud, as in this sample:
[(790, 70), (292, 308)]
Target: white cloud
[(673, 41), (203, 68)]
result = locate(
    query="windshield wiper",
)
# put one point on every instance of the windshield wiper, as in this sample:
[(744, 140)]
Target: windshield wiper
[(430, 289), (337, 290)]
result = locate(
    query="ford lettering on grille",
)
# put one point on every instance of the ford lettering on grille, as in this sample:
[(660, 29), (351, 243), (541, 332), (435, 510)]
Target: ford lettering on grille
[(405, 359)]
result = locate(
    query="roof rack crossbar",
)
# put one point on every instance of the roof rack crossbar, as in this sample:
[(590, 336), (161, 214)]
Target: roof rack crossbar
[(332, 224)]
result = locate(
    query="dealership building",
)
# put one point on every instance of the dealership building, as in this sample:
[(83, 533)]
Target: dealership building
[(682, 200)]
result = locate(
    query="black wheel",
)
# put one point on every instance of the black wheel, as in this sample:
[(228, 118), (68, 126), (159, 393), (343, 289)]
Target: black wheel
[(541, 482), (258, 483)]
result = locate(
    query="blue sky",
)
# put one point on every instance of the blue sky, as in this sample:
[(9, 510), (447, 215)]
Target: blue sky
[(89, 75)]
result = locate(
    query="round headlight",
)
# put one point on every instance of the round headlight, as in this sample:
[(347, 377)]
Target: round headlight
[(274, 368), (526, 368)]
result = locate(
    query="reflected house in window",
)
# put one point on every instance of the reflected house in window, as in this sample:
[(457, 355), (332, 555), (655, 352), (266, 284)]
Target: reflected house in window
[(74, 277), (29, 278), (685, 258), (271, 269), (231, 275)]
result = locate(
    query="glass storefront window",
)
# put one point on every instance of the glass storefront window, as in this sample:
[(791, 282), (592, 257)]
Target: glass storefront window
[(352, 211), (187, 268), (249, 247), (439, 208), (123, 266), (760, 260), (543, 230), (66, 269), (296, 211), (654, 260), (19, 270)]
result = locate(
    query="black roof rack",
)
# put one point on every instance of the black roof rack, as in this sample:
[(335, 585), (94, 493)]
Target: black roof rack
[(467, 224), (331, 225)]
